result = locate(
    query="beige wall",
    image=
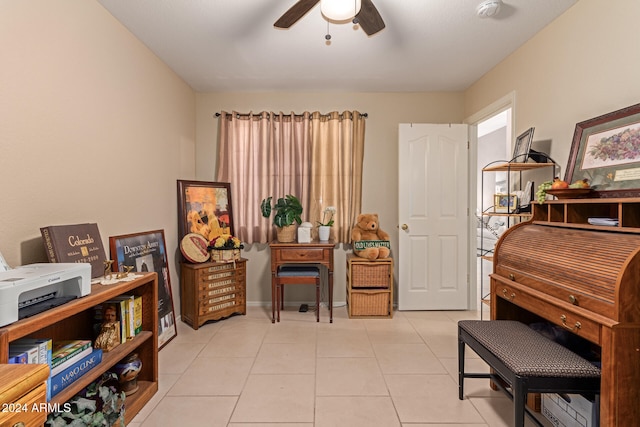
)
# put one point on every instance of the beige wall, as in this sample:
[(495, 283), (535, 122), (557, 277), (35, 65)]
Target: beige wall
[(93, 128), (584, 64), (380, 188)]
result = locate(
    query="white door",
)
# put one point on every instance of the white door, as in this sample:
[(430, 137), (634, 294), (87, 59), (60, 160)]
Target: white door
[(433, 215)]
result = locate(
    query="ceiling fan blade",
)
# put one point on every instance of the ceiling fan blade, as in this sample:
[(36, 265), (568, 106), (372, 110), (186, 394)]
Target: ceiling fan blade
[(369, 18), (295, 12)]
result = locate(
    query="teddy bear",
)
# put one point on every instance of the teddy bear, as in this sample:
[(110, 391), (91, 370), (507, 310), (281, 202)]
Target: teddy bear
[(367, 228)]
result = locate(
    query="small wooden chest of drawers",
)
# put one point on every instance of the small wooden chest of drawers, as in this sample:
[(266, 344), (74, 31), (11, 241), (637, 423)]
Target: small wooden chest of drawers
[(369, 287), (212, 291), (23, 395)]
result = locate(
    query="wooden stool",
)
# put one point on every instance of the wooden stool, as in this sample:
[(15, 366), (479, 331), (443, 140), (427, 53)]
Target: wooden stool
[(296, 275)]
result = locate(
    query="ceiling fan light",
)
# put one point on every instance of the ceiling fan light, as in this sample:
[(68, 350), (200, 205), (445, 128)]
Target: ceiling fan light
[(340, 10), (488, 8)]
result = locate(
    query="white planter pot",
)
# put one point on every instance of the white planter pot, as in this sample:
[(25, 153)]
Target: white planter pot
[(324, 231)]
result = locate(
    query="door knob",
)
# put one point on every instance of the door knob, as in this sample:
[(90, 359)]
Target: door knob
[(405, 227)]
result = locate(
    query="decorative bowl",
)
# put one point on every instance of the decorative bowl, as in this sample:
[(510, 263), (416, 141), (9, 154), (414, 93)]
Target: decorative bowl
[(571, 193)]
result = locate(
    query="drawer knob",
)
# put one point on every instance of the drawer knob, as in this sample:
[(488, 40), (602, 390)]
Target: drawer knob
[(575, 327), (19, 424), (573, 300), (512, 276), (506, 296)]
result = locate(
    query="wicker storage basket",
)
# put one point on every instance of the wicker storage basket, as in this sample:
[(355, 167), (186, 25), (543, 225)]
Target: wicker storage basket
[(369, 303), (370, 275), (286, 234), (225, 255)]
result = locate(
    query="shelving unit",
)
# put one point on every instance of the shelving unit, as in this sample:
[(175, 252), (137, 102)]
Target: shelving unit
[(512, 216), (74, 320), (575, 213), (369, 287)]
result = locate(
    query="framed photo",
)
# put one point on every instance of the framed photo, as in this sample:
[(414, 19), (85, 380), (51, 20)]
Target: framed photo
[(148, 252), (204, 208), (505, 203), (522, 146), (606, 151)]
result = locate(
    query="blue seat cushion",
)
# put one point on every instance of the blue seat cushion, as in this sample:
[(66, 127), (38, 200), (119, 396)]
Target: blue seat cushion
[(298, 271)]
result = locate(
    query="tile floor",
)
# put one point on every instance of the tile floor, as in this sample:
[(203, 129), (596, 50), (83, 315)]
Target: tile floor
[(245, 371)]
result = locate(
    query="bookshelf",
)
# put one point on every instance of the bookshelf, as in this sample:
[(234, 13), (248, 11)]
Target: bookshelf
[(74, 320)]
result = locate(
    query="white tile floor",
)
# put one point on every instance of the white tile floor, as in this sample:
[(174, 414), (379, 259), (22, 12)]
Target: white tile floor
[(245, 371)]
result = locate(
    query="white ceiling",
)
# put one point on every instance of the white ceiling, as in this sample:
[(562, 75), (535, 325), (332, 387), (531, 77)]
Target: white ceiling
[(427, 45)]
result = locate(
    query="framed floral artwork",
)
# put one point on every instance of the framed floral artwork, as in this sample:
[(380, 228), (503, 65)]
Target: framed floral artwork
[(204, 208), (146, 252), (606, 151)]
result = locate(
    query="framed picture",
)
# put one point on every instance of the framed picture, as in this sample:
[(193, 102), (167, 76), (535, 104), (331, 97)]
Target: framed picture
[(148, 252), (505, 202), (522, 146), (606, 151), (204, 208)]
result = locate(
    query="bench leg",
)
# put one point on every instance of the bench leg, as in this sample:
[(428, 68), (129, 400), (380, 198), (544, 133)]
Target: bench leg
[(519, 401), (461, 346)]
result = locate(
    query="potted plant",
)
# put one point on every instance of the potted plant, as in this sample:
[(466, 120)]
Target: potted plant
[(287, 211), (324, 227)]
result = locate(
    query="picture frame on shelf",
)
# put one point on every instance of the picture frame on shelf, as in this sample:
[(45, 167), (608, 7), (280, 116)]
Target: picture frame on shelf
[(147, 251), (505, 203), (522, 146), (204, 208), (606, 151)]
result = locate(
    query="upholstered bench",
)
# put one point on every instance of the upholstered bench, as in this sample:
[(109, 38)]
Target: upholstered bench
[(525, 360)]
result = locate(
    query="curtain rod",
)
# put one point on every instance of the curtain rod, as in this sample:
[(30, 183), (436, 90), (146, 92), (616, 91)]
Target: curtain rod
[(238, 115)]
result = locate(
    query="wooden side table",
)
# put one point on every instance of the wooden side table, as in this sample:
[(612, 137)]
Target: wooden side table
[(316, 252), (212, 291)]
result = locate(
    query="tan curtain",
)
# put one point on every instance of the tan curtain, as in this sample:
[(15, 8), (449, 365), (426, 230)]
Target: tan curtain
[(262, 155), (337, 142), (316, 157)]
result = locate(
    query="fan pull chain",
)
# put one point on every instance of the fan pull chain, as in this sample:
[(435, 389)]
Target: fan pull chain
[(328, 36), (355, 15)]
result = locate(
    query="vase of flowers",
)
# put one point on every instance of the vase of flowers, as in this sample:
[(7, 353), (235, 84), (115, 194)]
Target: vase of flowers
[(324, 227), (224, 248)]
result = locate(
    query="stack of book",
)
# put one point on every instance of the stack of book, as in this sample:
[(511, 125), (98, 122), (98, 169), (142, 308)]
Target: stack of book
[(67, 360), (128, 312), (70, 360)]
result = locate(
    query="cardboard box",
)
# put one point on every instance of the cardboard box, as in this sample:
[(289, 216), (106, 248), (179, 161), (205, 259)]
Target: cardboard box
[(570, 410)]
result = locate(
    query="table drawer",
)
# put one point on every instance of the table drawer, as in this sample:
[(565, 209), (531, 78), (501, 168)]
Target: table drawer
[(302, 255)]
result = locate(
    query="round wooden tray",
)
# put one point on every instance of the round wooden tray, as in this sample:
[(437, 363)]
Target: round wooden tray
[(571, 193)]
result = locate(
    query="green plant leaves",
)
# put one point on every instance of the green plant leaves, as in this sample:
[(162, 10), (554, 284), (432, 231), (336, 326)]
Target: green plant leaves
[(287, 210)]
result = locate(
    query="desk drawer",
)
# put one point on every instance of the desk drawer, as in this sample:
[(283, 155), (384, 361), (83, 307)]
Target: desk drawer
[(566, 318), (302, 255)]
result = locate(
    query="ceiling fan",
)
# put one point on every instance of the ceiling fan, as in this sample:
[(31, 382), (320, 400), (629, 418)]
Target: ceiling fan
[(368, 17)]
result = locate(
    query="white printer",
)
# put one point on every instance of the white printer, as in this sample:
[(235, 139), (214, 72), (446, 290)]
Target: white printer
[(30, 289)]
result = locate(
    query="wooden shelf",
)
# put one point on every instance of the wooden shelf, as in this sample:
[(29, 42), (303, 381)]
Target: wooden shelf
[(515, 167), (513, 215), (575, 213), (74, 320)]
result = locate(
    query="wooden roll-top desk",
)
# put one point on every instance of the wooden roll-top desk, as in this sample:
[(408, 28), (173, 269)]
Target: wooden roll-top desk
[(584, 278)]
